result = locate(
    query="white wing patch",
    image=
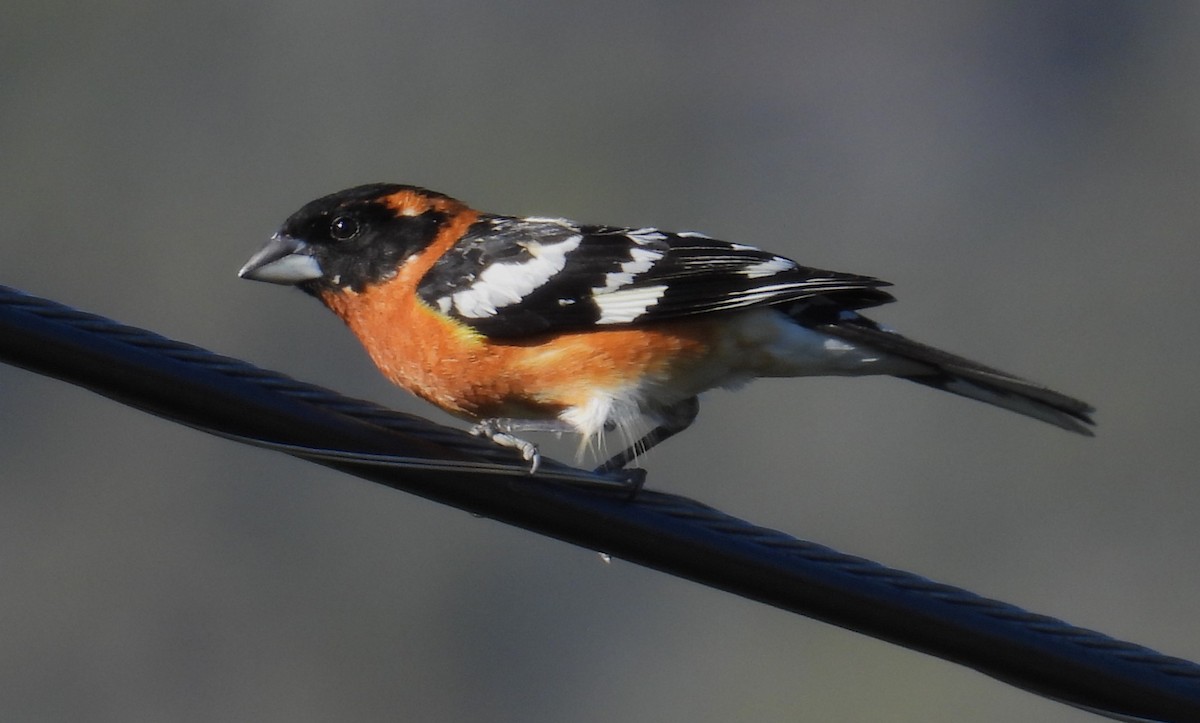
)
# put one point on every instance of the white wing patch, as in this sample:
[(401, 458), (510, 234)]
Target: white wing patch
[(504, 284), (641, 260), (770, 267), (646, 235), (756, 295), (626, 305), (619, 305)]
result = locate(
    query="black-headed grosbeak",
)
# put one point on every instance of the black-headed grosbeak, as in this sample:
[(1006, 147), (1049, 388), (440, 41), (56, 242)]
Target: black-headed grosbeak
[(542, 324)]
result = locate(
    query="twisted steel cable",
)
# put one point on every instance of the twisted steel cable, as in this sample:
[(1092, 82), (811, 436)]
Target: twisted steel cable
[(233, 399)]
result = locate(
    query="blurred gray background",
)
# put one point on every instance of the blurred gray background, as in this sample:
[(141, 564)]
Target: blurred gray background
[(1024, 172)]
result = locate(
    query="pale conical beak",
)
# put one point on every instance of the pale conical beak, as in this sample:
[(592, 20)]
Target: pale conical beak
[(284, 260)]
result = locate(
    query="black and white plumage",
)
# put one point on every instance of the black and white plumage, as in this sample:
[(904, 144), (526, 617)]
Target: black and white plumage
[(509, 278), (512, 277), (545, 324)]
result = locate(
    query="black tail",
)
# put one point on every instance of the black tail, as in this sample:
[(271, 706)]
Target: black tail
[(966, 378)]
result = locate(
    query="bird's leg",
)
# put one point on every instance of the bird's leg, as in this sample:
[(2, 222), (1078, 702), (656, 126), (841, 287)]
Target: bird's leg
[(672, 421), (501, 431)]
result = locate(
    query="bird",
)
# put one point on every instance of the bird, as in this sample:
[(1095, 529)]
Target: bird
[(541, 324)]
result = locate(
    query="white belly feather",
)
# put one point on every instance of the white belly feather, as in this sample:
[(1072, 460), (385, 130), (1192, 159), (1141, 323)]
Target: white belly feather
[(757, 343)]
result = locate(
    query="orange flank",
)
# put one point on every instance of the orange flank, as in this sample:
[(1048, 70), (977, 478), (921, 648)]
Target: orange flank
[(447, 363)]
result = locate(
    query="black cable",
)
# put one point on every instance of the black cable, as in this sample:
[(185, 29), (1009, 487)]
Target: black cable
[(234, 399)]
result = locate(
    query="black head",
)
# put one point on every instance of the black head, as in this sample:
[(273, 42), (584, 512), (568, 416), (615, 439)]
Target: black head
[(351, 239)]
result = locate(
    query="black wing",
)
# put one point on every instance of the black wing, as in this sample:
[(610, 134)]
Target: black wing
[(511, 277)]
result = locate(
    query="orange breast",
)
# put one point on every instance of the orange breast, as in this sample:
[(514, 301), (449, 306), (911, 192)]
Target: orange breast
[(468, 375)]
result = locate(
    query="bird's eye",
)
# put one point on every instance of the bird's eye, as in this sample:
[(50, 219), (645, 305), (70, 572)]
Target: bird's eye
[(343, 228)]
